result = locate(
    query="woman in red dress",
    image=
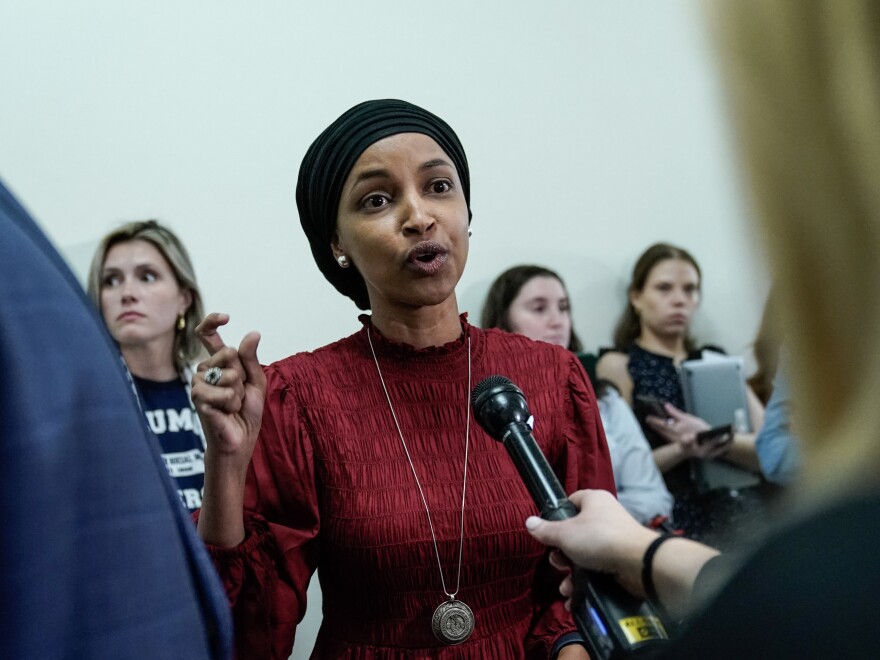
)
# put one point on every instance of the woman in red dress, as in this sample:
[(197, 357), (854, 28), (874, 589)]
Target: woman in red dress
[(361, 458)]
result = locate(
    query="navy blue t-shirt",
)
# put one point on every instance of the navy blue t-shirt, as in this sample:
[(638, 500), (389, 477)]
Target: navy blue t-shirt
[(173, 419)]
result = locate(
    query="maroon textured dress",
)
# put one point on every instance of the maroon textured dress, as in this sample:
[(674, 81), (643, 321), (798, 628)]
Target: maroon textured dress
[(330, 487)]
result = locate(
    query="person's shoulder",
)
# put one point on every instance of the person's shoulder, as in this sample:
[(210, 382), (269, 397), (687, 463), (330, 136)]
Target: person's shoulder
[(514, 353), (307, 365), (837, 524), (611, 361), (802, 547), (501, 341), (805, 587), (497, 336)]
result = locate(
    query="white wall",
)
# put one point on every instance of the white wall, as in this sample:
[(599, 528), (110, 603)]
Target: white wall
[(593, 128)]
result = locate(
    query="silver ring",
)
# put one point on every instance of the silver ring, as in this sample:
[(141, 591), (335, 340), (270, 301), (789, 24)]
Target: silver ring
[(213, 375)]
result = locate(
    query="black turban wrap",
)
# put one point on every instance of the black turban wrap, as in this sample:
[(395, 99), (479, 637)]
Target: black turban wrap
[(328, 163)]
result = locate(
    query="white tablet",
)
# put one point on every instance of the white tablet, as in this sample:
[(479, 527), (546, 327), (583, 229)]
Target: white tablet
[(715, 390)]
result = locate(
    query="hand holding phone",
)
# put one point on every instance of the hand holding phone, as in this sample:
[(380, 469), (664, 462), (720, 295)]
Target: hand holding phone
[(718, 435), (652, 405)]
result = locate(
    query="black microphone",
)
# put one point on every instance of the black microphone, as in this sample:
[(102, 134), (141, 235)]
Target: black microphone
[(614, 623)]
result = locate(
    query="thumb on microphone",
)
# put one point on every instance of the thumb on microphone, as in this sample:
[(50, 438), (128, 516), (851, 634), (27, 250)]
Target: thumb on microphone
[(599, 536)]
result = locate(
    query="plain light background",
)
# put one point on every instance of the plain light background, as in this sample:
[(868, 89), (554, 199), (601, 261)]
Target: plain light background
[(592, 129)]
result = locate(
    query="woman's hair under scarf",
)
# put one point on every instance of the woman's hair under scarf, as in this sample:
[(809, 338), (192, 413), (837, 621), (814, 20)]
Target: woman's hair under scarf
[(328, 163)]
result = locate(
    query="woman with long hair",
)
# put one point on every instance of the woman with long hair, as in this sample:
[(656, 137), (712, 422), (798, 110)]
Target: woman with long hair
[(142, 280), (651, 341)]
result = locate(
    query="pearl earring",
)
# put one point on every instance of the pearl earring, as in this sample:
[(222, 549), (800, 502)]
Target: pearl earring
[(343, 261)]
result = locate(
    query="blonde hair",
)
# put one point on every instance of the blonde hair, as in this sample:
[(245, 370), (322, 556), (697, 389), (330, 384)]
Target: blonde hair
[(765, 350), (187, 346), (805, 85)]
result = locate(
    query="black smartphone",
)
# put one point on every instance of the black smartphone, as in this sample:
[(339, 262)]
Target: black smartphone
[(718, 435), (651, 405)]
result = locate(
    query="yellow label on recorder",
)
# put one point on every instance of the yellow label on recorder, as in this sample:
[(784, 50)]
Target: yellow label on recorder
[(642, 628)]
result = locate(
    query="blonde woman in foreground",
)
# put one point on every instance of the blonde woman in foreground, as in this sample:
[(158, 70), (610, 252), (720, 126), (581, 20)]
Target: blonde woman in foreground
[(804, 79)]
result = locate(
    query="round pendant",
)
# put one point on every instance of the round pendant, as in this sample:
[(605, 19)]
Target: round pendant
[(453, 622)]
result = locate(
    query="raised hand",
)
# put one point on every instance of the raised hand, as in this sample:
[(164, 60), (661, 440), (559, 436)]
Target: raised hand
[(231, 409), (228, 391)]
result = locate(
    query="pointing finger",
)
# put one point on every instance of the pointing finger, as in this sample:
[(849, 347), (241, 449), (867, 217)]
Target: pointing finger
[(207, 331)]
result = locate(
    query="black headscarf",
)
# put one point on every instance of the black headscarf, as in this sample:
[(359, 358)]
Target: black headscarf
[(328, 163)]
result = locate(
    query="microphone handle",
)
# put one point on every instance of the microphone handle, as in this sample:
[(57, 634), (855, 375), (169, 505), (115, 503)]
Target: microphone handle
[(536, 473), (614, 623)]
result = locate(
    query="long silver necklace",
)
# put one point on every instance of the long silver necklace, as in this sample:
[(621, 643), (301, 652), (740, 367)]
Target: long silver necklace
[(453, 621)]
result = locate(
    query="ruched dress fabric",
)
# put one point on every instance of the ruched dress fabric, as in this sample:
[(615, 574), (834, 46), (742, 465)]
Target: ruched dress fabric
[(330, 487)]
